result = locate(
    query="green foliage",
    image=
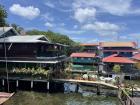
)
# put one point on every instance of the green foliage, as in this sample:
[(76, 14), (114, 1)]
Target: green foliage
[(17, 27), (32, 71), (116, 68), (3, 15), (54, 37)]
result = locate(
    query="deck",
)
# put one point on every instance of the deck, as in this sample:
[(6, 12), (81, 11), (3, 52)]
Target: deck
[(5, 96), (136, 100), (87, 82)]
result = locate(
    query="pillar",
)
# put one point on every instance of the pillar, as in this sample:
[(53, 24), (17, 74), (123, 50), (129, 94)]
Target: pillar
[(31, 84), (77, 88), (98, 89), (17, 83), (48, 85), (2, 82)]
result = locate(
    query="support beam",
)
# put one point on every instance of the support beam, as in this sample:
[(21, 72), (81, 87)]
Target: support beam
[(98, 90), (3, 82), (77, 88), (32, 84), (48, 85), (17, 84)]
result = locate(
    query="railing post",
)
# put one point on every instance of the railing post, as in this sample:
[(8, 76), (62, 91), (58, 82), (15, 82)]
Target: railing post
[(2, 82), (17, 83)]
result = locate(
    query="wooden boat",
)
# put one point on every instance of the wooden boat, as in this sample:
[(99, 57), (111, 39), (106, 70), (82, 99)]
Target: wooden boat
[(4, 97)]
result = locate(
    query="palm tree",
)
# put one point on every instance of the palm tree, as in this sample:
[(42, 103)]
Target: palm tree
[(3, 15)]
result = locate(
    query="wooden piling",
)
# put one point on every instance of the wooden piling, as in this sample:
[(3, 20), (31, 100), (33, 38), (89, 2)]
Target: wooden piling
[(32, 84), (3, 82), (98, 90), (77, 88), (48, 85), (17, 83)]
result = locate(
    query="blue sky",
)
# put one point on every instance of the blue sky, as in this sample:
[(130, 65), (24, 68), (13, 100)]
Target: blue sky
[(86, 21)]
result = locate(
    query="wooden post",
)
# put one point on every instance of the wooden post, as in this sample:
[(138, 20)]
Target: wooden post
[(48, 85), (98, 89), (2, 82), (17, 83), (77, 88), (31, 84)]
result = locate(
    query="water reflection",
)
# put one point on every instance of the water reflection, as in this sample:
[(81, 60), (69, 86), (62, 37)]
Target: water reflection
[(69, 97)]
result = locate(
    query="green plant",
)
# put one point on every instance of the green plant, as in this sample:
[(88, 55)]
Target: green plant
[(117, 69)]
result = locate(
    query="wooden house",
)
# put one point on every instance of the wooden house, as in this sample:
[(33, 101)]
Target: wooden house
[(30, 51), (124, 49)]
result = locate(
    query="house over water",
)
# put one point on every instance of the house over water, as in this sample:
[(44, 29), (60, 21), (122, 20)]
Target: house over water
[(136, 58), (30, 51), (127, 65), (87, 60), (124, 49), (91, 48)]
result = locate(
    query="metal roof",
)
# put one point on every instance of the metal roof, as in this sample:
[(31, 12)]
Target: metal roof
[(117, 44), (6, 29), (25, 39), (83, 54), (117, 59)]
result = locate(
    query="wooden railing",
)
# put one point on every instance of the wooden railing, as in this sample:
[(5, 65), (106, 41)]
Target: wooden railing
[(125, 98)]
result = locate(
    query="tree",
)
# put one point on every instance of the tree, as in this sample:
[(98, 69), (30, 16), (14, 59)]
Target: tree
[(18, 28), (116, 69), (3, 15)]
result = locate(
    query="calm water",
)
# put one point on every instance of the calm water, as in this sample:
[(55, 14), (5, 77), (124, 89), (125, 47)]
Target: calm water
[(35, 98)]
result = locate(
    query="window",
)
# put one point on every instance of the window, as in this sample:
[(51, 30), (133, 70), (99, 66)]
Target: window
[(89, 58)]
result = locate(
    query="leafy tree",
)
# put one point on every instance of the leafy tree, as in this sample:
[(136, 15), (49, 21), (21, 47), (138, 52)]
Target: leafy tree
[(3, 15), (116, 69), (17, 27)]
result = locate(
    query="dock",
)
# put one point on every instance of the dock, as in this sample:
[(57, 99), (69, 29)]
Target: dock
[(5, 97)]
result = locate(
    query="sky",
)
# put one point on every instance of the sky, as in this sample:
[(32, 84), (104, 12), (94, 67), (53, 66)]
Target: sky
[(85, 21)]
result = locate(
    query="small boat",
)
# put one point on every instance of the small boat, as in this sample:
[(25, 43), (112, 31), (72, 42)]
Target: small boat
[(4, 97)]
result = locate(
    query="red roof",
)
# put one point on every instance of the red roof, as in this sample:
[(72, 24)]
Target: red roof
[(88, 55), (117, 59), (119, 50), (118, 44), (89, 44), (137, 56)]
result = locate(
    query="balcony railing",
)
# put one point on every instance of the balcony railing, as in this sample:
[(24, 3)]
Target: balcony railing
[(35, 58)]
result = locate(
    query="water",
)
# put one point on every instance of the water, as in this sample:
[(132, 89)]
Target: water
[(36, 98)]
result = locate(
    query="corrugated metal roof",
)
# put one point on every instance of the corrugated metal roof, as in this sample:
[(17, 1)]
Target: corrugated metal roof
[(25, 38), (89, 44), (137, 56), (117, 59), (118, 44), (83, 55), (5, 29)]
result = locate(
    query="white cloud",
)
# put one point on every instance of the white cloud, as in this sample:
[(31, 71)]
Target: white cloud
[(102, 28), (69, 32), (62, 24), (47, 17), (28, 12), (48, 24), (82, 15), (50, 4), (114, 7), (75, 26)]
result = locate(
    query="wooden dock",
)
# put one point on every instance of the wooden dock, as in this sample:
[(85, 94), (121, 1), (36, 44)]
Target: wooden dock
[(87, 82), (4, 97)]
